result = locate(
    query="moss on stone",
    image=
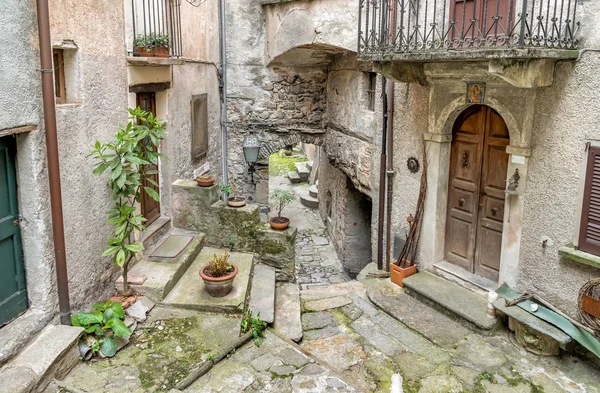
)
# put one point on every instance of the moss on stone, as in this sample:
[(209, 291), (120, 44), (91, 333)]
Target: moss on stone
[(411, 386), (281, 165)]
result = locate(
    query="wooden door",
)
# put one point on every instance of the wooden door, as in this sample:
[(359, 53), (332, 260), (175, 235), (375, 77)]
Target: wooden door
[(478, 169), (13, 294), (150, 207), (481, 18)]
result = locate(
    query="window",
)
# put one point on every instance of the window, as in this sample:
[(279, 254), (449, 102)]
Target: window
[(59, 76), (589, 233), (371, 90), (199, 127)]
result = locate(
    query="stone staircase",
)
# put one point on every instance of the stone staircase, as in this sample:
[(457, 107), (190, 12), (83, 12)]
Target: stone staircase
[(302, 172), (52, 354)]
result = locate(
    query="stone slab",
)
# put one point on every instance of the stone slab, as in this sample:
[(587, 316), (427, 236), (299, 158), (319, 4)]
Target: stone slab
[(327, 304), (451, 297), (162, 275), (262, 297), (190, 292), (302, 169), (295, 177), (333, 290), (533, 322), (51, 355), (413, 313), (313, 191), (287, 312), (309, 201), (17, 379)]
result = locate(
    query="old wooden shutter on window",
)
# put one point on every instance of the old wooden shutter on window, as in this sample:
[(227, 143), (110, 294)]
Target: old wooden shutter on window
[(589, 234)]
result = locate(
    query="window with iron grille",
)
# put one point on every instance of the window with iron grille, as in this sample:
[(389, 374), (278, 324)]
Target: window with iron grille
[(59, 76), (199, 127), (371, 90), (589, 233)]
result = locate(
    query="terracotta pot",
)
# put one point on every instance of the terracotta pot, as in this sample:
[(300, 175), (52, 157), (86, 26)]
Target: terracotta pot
[(397, 274), (236, 202), (218, 286), (154, 52), (280, 226), (205, 182), (288, 153)]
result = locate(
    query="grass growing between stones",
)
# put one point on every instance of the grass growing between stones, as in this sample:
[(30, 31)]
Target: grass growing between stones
[(281, 165)]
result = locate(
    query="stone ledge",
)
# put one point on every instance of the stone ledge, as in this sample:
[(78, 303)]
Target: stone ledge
[(472, 55), (579, 256)]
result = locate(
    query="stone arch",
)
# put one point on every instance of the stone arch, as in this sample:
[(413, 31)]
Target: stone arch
[(448, 115), (269, 148)]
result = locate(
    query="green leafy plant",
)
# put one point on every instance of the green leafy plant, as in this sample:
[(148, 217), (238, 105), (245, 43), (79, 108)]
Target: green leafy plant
[(130, 159), (282, 197), (104, 322), (231, 242), (226, 189), (219, 266), (149, 41), (255, 324)]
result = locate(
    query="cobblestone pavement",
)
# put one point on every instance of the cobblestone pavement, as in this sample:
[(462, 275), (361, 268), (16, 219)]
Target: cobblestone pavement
[(316, 260)]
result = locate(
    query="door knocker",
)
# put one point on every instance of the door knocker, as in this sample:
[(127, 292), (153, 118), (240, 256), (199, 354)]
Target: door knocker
[(413, 165), (461, 202), (494, 211), (465, 159)]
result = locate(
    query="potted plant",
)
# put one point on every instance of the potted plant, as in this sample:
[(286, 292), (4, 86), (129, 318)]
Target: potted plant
[(205, 180), (153, 45), (288, 153), (218, 275), (230, 189), (282, 198)]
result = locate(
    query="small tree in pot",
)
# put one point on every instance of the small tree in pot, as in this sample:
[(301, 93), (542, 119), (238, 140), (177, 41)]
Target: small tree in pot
[(230, 189), (218, 275), (282, 198)]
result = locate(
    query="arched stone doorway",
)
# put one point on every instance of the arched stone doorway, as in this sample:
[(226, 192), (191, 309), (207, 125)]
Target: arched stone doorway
[(476, 191)]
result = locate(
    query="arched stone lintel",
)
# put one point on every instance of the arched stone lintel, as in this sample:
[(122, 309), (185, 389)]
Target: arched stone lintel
[(291, 138)]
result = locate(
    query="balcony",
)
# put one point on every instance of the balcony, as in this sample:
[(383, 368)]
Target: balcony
[(467, 30), (154, 29)]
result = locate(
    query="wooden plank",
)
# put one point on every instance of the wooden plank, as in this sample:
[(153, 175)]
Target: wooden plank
[(17, 130), (591, 306)]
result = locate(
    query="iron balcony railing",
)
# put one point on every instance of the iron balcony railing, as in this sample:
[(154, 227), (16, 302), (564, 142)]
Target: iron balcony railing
[(156, 28), (388, 27)]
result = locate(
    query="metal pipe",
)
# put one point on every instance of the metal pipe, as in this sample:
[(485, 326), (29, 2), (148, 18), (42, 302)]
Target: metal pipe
[(223, 87), (53, 165), (390, 173), (382, 164)]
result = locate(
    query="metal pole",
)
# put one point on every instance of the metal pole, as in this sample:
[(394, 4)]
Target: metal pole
[(382, 171), (223, 86), (53, 164)]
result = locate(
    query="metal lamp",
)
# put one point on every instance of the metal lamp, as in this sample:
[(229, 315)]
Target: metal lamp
[(251, 146)]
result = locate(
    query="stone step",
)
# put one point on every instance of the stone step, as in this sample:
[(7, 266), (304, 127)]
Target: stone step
[(287, 312), (52, 354), (163, 274), (309, 201), (464, 278), (154, 232), (310, 164), (262, 295), (190, 293), (302, 169), (295, 177), (313, 191), (450, 298)]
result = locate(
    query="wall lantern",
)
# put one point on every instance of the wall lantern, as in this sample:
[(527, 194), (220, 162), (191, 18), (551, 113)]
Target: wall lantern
[(251, 146)]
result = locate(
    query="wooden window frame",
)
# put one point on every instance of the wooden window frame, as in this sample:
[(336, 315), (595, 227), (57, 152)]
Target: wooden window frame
[(199, 152), (584, 244), (59, 76)]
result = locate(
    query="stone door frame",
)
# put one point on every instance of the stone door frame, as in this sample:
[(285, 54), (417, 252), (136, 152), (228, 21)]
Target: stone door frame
[(447, 101)]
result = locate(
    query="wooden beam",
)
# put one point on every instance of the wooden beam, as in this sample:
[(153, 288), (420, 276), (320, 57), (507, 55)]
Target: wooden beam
[(149, 87), (17, 130)]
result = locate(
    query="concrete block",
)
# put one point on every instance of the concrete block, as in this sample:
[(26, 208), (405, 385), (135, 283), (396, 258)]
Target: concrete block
[(191, 203), (287, 312), (302, 169), (262, 297)]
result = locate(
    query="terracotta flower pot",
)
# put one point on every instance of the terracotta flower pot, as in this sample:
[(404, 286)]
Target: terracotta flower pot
[(205, 182), (218, 286), (279, 223), (397, 273), (154, 52), (288, 153), (236, 202)]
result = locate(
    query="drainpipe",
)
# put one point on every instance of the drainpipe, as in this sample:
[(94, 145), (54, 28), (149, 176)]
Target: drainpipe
[(223, 88), (53, 164), (382, 171), (390, 173)]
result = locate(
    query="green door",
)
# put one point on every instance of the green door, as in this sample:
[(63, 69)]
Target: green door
[(13, 295)]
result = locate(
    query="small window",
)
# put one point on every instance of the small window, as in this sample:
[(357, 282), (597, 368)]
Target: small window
[(199, 127), (589, 233), (371, 90), (59, 76)]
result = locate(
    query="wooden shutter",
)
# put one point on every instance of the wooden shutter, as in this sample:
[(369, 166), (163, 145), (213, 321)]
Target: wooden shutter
[(589, 233)]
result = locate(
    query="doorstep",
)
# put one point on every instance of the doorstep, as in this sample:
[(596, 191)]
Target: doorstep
[(464, 278)]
